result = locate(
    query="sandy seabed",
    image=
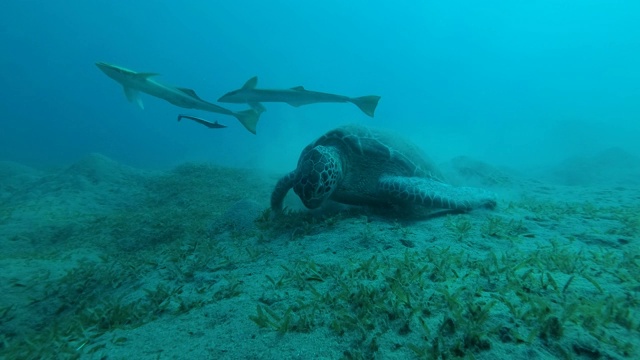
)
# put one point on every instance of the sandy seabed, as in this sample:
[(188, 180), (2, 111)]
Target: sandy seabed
[(103, 261)]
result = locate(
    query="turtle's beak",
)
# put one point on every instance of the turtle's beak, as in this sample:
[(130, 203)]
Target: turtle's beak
[(313, 203)]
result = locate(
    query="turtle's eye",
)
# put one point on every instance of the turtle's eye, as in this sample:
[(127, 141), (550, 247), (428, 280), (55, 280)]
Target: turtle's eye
[(304, 180)]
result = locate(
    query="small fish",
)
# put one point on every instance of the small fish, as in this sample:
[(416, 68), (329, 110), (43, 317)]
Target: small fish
[(209, 124), (295, 96)]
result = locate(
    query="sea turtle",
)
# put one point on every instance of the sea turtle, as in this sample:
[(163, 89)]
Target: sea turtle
[(358, 165)]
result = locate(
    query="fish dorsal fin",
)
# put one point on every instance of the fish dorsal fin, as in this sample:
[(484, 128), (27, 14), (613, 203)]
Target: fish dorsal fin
[(146, 75), (190, 92), (251, 83), (298, 88)]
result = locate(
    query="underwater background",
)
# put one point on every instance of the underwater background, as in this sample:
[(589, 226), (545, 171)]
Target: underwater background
[(125, 234), (517, 83)]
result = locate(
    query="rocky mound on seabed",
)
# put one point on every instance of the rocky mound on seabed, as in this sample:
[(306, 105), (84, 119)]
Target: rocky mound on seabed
[(93, 185), (613, 166), (15, 177), (467, 171)]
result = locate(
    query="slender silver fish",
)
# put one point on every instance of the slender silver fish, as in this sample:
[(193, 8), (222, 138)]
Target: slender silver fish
[(134, 82), (209, 124), (296, 96)]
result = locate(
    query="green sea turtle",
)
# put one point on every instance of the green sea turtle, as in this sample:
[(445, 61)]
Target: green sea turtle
[(358, 165)]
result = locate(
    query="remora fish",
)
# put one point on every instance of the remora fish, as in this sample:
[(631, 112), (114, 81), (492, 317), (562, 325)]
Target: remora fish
[(133, 82), (296, 96), (209, 124)]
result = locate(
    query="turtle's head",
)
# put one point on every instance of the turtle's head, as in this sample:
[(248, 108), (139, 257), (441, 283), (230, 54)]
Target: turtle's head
[(318, 173)]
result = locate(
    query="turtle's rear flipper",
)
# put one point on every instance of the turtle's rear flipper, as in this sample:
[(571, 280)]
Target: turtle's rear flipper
[(434, 194)]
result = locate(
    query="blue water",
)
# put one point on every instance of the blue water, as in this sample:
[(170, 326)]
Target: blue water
[(509, 82)]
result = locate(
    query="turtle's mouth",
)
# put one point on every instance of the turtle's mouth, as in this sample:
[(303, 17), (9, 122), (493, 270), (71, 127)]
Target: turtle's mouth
[(312, 203)]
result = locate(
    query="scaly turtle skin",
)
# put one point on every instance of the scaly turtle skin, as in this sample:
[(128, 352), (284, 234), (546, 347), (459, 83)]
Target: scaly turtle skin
[(357, 165)]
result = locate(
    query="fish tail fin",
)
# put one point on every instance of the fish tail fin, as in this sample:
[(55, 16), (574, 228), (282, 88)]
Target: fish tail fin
[(366, 103), (248, 118)]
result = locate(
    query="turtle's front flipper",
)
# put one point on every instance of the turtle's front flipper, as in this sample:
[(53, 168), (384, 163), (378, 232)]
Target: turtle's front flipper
[(280, 191), (434, 194)]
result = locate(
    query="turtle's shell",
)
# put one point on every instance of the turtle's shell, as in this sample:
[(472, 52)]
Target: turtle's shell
[(366, 155)]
